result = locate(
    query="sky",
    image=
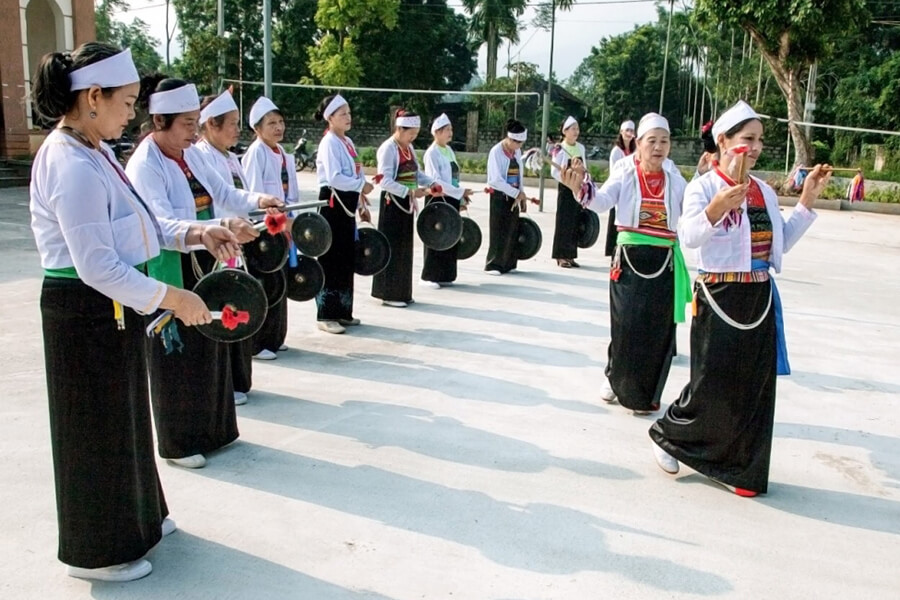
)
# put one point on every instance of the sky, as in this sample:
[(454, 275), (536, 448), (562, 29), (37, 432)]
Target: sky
[(576, 31)]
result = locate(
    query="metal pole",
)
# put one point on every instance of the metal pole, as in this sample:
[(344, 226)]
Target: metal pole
[(662, 88), (545, 121), (267, 48), (220, 30)]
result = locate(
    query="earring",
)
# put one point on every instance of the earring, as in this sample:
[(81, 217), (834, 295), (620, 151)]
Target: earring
[(92, 115)]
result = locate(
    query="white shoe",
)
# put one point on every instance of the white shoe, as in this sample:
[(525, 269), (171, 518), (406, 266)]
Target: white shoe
[(430, 284), (394, 303), (331, 327), (665, 460), (493, 272), (282, 347), (168, 526), (125, 572), (265, 355), (196, 461), (606, 392), (240, 398)]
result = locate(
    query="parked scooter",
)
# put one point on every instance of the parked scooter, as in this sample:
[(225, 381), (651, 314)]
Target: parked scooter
[(302, 158)]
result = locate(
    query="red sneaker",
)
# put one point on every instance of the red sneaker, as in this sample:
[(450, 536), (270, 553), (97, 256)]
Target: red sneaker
[(745, 493)]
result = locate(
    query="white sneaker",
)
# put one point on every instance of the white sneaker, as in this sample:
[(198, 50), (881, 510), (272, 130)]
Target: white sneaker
[(196, 461), (265, 355), (430, 284), (606, 392), (493, 272), (125, 572), (168, 526), (240, 398), (331, 327), (394, 303), (282, 347), (665, 460)]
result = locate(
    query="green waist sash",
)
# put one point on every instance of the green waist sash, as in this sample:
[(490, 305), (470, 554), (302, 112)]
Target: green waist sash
[(167, 266), (71, 273), (683, 294)]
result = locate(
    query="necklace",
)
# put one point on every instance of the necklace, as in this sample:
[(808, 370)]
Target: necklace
[(405, 155), (646, 186), (78, 136)]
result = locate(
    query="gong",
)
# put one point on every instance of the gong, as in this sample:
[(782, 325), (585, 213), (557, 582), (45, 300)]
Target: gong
[(267, 253), (311, 234), (530, 238), (275, 286), (588, 228), (439, 225), (237, 301), (305, 280), (470, 240), (373, 251)]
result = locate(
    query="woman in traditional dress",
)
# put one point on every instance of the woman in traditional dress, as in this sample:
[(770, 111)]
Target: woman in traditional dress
[(270, 170), (191, 390), (722, 423), (95, 236), (504, 179), (399, 178), (649, 283), (343, 184), (625, 147), (569, 152), (439, 269), (220, 128)]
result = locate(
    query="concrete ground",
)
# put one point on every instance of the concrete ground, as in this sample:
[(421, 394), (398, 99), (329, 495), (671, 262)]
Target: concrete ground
[(458, 449)]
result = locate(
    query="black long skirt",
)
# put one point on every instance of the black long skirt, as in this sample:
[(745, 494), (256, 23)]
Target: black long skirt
[(612, 233), (335, 300), (568, 212), (440, 265), (274, 329), (503, 251), (191, 391), (241, 354), (721, 425), (394, 283), (110, 504), (642, 331)]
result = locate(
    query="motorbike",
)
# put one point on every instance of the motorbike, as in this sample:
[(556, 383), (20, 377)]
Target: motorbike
[(122, 148), (302, 158)]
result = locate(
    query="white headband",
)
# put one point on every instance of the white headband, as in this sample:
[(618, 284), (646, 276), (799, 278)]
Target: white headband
[(261, 108), (411, 122), (517, 137), (652, 121), (223, 104), (439, 123), (738, 113), (333, 106), (112, 72), (569, 122), (173, 102), (626, 125)]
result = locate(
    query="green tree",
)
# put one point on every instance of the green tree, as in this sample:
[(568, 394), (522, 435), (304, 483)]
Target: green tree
[(492, 21), (134, 35), (622, 76), (334, 59), (435, 57), (792, 35)]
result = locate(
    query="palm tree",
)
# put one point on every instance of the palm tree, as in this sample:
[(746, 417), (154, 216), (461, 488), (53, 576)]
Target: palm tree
[(493, 21)]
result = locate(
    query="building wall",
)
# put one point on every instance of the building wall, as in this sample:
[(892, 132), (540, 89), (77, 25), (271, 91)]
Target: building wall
[(56, 25)]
